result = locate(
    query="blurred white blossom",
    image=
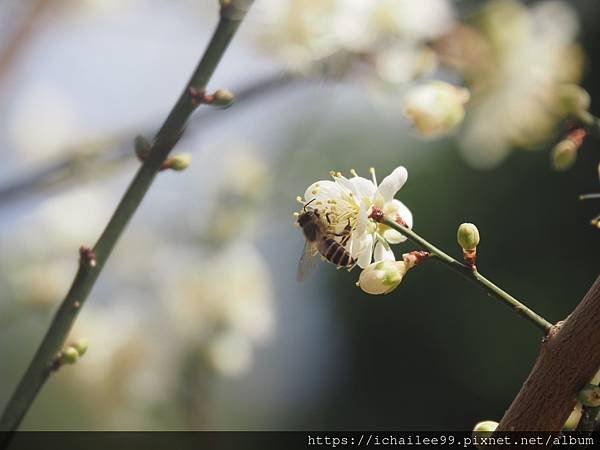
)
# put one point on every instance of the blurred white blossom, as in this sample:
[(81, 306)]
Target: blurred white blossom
[(304, 32), (514, 60), (435, 108)]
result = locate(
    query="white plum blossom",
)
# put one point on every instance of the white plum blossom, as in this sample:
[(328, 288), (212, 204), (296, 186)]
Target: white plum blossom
[(349, 202), (436, 107), (306, 33), (526, 56)]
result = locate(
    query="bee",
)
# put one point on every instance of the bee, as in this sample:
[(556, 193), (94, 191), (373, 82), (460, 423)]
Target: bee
[(320, 240)]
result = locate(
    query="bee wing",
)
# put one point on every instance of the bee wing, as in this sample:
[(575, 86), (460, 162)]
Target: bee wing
[(307, 261)]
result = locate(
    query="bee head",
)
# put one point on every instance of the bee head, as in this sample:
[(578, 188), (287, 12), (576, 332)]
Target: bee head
[(307, 216)]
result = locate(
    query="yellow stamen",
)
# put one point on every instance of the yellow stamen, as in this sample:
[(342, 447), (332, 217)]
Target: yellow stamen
[(353, 172), (373, 177)]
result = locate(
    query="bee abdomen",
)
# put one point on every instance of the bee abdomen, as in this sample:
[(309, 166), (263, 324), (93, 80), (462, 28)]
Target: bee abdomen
[(337, 254)]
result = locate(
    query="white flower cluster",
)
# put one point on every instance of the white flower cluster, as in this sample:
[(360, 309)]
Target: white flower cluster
[(390, 33), (525, 56)]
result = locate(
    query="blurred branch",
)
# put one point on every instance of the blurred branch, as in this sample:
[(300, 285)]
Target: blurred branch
[(113, 151), (471, 274), (569, 358), (20, 37), (93, 260)]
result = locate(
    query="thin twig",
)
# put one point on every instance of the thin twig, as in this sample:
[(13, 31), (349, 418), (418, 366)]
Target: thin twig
[(22, 35), (113, 151), (93, 260), (471, 274)]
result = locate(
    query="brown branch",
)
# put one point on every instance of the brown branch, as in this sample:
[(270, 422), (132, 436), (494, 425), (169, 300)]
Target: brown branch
[(22, 35), (568, 360)]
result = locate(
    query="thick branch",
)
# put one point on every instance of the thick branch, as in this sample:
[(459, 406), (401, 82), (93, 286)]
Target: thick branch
[(568, 360), (92, 261)]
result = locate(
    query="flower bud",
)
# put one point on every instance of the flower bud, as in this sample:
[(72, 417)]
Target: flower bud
[(573, 419), (484, 429), (81, 346), (468, 236), (564, 155), (573, 99), (142, 147), (180, 161), (436, 107), (590, 396), (223, 98), (382, 277), (69, 356)]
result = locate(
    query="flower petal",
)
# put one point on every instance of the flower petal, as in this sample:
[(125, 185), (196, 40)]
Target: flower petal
[(392, 183), (397, 208), (383, 254), (365, 250), (364, 188), (393, 237), (322, 190)]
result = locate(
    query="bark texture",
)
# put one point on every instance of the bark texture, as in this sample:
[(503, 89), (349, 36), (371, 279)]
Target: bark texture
[(569, 358)]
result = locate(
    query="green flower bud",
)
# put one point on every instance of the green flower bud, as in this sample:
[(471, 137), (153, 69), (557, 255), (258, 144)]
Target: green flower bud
[(223, 98), (573, 99), (484, 429), (573, 419), (382, 277), (69, 356), (81, 346), (142, 147), (564, 155), (467, 236), (590, 396), (180, 161)]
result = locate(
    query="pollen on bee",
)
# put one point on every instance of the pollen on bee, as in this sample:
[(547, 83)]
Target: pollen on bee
[(299, 200), (296, 214)]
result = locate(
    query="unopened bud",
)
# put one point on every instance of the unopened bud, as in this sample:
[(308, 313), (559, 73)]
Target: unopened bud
[(180, 161), (573, 99), (81, 346), (573, 419), (482, 430), (590, 396), (382, 277), (436, 108), (223, 98), (69, 356), (564, 155), (142, 147), (468, 236)]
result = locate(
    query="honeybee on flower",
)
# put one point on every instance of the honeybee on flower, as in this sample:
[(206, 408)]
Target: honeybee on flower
[(341, 209)]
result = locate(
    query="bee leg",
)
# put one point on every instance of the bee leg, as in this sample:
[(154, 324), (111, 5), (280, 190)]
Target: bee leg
[(327, 217)]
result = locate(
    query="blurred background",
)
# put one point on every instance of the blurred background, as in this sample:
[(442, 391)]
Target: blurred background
[(197, 321)]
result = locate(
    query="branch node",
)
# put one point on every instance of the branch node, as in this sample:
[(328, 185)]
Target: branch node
[(87, 256)]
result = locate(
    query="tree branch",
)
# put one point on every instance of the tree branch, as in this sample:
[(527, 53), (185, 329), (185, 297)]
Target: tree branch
[(471, 274), (568, 360), (92, 260), (113, 151)]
